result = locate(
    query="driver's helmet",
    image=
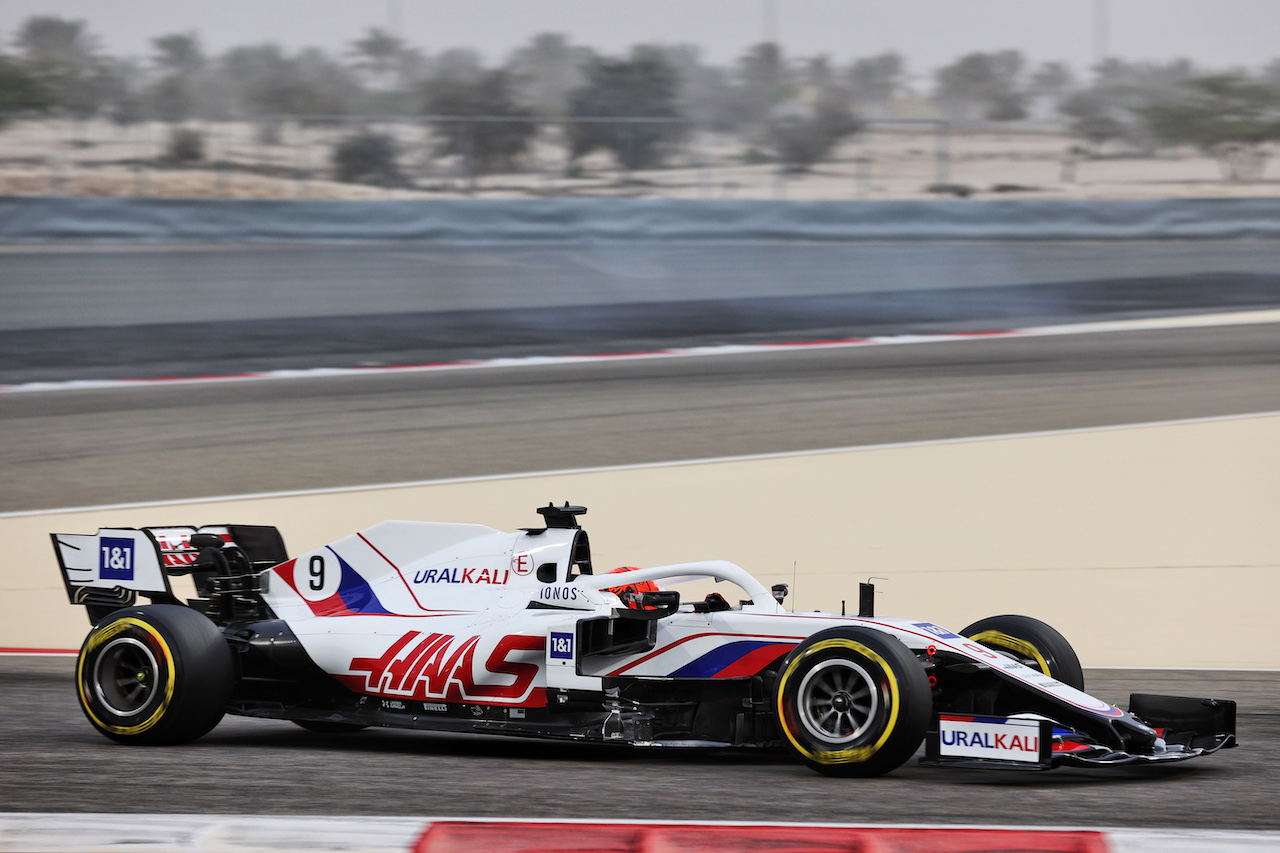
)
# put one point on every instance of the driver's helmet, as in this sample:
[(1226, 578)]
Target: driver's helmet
[(630, 593)]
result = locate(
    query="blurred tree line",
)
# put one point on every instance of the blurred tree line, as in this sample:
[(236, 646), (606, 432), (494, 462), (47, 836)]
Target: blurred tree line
[(793, 111)]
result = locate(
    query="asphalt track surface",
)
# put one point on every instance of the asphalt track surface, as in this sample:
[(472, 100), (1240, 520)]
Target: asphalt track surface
[(76, 448), (93, 312), (55, 762), (93, 447), (61, 285)]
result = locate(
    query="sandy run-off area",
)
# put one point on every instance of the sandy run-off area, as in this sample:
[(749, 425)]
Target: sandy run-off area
[(1146, 546)]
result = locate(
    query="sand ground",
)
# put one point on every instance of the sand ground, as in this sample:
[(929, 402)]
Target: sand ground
[(1146, 546), (99, 158)]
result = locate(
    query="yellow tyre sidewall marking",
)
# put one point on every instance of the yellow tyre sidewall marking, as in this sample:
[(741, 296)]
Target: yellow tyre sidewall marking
[(1002, 640), (856, 754), (98, 638)]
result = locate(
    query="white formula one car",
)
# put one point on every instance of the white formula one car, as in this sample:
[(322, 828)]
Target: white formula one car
[(460, 627)]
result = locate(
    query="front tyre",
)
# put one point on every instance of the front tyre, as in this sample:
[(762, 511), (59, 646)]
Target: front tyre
[(852, 702), (1032, 642), (158, 674)]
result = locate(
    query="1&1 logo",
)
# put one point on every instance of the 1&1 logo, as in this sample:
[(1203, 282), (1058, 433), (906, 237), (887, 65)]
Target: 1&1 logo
[(115, 558), (561, 645)]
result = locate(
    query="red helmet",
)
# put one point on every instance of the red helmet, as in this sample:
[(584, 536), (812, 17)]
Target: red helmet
[(630, 593)]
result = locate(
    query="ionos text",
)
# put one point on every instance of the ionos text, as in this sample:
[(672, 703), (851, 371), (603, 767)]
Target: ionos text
[(559, 593)]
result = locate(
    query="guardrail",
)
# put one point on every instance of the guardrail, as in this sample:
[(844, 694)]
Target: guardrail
[(586, 220)]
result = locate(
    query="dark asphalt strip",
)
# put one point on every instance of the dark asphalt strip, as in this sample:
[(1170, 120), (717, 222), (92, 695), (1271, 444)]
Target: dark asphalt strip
[(228, 347), (124, 445)]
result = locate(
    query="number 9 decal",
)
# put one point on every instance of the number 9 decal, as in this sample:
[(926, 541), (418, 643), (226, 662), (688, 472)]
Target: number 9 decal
[(315, 566), (317, 576)]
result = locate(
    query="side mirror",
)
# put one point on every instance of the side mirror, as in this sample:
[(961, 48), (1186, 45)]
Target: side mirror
[(653, 606), (668, 600)]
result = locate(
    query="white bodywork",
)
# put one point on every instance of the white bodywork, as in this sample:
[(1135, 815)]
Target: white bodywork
[(481, 630), (457, 613)]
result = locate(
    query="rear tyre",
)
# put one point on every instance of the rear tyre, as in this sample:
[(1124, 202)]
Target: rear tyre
[(852, 702), (158, 674), (1031, 641)]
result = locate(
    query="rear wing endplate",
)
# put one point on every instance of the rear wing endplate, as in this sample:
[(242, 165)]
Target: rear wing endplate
[(111, 567)]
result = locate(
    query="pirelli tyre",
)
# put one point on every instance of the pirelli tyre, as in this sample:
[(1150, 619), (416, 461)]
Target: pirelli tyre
[(158, 674), (852, 702), (1031, 641)]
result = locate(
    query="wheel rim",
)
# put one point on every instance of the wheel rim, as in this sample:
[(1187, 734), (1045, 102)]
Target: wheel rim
[(124, 676), (838, 701)]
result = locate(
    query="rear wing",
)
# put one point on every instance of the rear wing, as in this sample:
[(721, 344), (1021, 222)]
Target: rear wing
[(108, 570)]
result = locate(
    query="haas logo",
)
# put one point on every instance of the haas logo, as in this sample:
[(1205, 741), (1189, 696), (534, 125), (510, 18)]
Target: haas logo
[(437, 666)]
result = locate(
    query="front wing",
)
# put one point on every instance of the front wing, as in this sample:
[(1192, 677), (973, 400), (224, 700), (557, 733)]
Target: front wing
[(1186, 728)]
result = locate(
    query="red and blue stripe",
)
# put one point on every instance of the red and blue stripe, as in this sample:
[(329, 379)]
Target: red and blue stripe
[(354, 596), (739, 659)]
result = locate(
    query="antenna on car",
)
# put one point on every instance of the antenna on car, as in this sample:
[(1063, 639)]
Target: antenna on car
[(867, 598)]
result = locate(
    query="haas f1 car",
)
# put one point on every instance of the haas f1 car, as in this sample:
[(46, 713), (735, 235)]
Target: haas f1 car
[(460, 627)]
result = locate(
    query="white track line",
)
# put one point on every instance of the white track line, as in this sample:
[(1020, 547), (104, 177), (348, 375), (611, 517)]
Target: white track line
[(639, 466), (1181, 322), (101, 833)]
